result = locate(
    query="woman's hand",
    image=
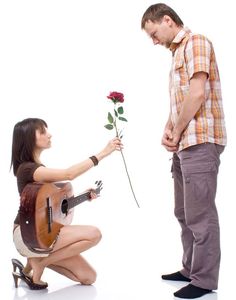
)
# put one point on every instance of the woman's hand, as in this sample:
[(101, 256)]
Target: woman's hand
[(113, 145), (93, 194)]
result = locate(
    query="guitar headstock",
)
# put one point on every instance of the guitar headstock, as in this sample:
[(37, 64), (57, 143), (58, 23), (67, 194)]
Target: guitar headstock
[(98, 187)]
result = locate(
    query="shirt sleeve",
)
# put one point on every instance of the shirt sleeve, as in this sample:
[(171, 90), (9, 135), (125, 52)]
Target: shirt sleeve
[(197, 55), (25, 174)]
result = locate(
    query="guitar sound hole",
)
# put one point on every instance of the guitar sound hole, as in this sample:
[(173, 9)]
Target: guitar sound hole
[(64, 206)]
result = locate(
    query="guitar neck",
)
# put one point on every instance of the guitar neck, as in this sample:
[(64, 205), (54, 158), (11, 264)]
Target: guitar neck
[(73, 201)]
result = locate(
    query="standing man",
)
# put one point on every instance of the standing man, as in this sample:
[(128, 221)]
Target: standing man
[(195, 134)]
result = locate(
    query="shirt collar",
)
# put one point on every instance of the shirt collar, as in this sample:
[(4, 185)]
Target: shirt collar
[(178, 38)]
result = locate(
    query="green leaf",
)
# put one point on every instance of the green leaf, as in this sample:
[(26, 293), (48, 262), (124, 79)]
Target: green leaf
[(110, 118), (120, 110), (116, 114), (109, 126), (123, 119)]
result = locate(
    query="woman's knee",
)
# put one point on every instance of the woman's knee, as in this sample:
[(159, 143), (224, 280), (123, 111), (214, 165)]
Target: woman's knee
[(95, 235), (88, 278)]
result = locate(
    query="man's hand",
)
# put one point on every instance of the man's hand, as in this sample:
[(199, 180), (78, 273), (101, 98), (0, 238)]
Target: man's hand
[(170, 140), (176, 135)]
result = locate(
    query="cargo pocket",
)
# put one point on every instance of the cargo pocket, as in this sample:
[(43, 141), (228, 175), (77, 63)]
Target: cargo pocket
[(199, 188)]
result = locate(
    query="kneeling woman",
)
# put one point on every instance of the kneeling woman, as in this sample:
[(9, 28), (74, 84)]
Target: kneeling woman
[(30, 138)]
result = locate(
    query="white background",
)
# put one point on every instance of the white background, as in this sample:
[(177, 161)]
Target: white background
[(58, 61)]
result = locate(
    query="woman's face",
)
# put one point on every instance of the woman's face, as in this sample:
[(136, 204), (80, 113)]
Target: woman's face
[(43, 139)]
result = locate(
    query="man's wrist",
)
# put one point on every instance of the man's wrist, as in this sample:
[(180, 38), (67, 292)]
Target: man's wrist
[(176, 131)]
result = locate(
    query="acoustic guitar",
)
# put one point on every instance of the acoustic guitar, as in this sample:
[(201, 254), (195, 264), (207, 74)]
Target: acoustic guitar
[(45, 208)]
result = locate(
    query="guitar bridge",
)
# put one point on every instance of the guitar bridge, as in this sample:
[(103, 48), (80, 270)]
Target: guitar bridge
[(49, 214)]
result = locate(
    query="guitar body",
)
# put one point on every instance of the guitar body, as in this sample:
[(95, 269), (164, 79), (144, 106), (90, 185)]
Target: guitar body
[(41, 213)]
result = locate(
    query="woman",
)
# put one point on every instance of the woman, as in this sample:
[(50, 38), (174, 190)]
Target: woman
[(30, 138)]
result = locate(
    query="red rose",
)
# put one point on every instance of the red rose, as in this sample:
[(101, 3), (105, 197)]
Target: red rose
[(113, 119), (116, 97)]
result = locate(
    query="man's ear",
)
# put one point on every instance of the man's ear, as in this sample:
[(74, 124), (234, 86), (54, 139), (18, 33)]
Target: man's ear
[(168, 20)]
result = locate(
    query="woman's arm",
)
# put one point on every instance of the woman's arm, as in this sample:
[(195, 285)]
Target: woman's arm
[(45, 174)]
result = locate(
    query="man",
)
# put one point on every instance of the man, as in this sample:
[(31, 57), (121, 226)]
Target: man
[(195, 133)]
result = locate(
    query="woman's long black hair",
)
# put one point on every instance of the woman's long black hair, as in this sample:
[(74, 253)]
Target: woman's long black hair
[(24, 141)]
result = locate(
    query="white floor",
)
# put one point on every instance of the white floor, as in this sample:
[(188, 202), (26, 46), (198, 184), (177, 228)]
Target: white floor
[(138, 245), (101, 291)]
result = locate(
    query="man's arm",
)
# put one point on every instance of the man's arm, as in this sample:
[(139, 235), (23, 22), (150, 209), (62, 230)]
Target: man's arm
[(166, 140), (191, 105)]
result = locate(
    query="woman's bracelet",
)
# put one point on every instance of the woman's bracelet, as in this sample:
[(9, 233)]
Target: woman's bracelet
[(94, 160)]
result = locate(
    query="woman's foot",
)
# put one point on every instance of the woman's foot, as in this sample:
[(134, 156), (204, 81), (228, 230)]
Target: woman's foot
[(28, 281), (27, 269), (38, 268), (17, 265)]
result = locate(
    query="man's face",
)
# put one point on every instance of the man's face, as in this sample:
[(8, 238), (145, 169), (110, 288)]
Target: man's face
[(161, 32)]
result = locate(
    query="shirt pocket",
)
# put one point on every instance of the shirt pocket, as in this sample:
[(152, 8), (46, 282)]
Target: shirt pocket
[(180, 75), (179, 63)]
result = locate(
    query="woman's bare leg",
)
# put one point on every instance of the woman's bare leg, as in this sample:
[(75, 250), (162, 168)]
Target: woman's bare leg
[(76, 268), (27, 269), (72, 240)]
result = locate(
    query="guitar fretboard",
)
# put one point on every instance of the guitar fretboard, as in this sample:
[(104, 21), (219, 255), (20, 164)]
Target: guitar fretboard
[(73, 201)]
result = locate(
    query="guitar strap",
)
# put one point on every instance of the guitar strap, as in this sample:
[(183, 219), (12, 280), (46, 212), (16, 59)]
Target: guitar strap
[(43, 251), (25, 240), (40, 251)]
